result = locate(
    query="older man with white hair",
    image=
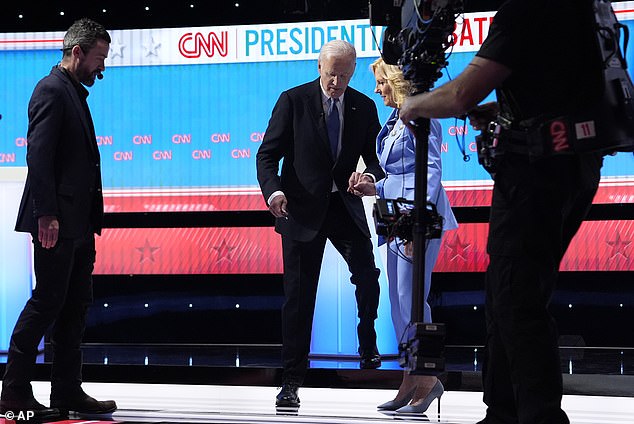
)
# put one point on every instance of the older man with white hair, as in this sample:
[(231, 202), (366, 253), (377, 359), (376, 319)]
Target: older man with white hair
[(320, 130)]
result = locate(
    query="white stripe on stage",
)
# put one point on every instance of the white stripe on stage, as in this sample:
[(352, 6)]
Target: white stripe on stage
[(248, 404)]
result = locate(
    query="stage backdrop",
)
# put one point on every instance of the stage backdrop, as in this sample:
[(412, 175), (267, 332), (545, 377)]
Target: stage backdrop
[(181, 113)]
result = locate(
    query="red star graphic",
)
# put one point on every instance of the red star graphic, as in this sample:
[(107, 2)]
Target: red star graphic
[(224, 251), (147, 251), (458, 249), (618, 246)]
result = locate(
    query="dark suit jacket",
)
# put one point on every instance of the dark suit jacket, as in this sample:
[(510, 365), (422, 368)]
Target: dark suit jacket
[(64, 174), (297, 134)]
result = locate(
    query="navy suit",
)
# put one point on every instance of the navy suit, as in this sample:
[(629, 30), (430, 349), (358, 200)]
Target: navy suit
[(64, 181), (297, 135)]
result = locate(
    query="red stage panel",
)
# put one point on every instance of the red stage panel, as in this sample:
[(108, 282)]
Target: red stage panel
[(189, 251), (599, 246)]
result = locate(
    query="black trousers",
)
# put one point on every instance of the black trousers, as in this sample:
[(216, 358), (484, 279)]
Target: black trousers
[(61, 298), (537, 208), (302, 263)]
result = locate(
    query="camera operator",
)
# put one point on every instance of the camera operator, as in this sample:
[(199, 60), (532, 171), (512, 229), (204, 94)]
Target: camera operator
[(537, 58)]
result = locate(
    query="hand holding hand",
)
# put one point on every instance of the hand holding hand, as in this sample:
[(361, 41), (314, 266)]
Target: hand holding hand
[(364, 188), (360, 184)]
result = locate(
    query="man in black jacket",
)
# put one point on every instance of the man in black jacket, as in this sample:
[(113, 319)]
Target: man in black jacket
[(62, 208), (320, 129), (539, 57)]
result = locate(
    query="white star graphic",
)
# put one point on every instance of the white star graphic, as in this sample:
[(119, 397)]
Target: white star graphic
[(152, 48), (116, 49)]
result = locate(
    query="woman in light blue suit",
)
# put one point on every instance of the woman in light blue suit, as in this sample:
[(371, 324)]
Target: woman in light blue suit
[(396, 147)]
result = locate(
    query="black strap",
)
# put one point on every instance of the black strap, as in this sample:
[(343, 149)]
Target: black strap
[(626, 39)]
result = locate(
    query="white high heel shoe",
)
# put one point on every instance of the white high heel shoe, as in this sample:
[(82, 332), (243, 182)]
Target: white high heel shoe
[(420, 406), (394, 404)]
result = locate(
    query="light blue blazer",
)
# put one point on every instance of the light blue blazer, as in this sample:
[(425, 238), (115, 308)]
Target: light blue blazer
[(396, 148)]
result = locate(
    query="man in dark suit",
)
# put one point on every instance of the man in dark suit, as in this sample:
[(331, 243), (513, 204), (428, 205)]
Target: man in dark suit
[(62, 207), (320, 129)]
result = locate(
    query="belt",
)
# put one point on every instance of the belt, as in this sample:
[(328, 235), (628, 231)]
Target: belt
[(530, 142)]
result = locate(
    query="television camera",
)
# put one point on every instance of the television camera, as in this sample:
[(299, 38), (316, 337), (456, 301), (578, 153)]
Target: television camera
[(393, 218), (417, 36)]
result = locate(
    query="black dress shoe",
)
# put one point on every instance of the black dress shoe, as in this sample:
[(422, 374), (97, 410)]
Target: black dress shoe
[(30, 409), (370, 360), (84, 404), (287, 397)]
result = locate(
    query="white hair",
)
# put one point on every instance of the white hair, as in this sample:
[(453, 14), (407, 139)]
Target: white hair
[(338, 48)]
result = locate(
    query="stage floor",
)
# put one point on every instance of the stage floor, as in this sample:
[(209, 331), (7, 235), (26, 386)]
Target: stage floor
[(237, 384), (161, 403)]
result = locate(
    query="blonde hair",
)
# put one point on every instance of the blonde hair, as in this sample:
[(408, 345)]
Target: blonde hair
[(401, 87)]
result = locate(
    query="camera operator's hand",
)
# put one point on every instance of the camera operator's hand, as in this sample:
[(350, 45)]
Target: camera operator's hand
[(407, 111), (458, 96), (480, 116), (361, 185)]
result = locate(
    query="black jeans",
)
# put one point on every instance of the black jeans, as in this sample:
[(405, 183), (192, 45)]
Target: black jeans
[(302, 263), (61, 298), (537, 208)]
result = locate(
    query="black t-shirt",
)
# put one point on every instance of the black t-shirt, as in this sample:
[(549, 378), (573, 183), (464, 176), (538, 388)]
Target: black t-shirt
[(549, 46)]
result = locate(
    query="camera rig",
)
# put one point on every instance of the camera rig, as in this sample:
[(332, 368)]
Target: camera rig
[(394, 218), (417, 36)]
